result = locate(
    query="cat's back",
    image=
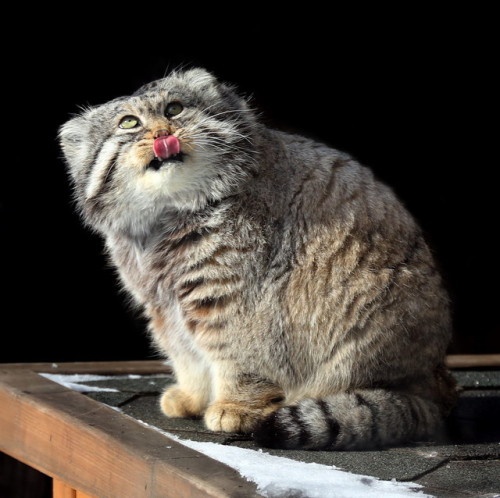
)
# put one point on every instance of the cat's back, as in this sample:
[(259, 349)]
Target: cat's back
[(328, 188), (359, 258)]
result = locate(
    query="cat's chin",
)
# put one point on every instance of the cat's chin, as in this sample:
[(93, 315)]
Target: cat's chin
[(158, 163)]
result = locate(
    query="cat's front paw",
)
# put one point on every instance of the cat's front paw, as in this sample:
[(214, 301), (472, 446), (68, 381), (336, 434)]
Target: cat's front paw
[(235, 417), (177, 403)]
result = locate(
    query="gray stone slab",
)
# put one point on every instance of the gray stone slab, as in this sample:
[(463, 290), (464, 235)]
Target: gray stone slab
[(147, 409), (111, 399), (479, 451), (477, 378), (387, 464), (400, 464), (128, 388), (135, 383), (478, 478)]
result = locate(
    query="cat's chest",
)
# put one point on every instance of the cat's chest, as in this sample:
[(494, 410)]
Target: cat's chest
[(134, 268), (160, 271)]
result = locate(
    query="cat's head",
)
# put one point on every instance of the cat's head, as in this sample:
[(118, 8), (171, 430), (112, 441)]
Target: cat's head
[(176, 144)]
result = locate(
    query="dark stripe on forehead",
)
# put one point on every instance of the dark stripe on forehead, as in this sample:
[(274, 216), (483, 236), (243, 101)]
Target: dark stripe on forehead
[(154, 106), (142, 106)]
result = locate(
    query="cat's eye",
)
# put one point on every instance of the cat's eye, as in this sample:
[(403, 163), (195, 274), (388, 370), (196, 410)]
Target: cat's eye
[(173, 109), (129, 122)]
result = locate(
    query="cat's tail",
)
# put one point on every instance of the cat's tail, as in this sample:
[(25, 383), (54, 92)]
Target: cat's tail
[(361, 419)]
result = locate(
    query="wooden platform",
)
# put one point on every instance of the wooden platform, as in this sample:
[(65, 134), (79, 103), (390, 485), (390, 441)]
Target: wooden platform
[(91, 449)]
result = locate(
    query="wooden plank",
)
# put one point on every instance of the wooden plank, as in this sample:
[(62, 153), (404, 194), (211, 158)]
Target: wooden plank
[(95, 367), (155, 366), (100, 451), (62, 490), (80, 494), (473, 360)]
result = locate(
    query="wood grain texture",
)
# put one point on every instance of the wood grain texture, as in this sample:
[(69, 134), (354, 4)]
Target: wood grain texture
[(95, 367), (62, 490), (79, 494), (154, 366), (100, 451), (473, 360)]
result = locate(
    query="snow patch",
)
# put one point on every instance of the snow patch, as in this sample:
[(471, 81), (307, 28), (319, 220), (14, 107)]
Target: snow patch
[(283, 477), (75, 382), (280, 477)]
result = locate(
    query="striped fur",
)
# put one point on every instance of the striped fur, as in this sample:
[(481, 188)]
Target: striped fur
[(292, 291), (362, 419)]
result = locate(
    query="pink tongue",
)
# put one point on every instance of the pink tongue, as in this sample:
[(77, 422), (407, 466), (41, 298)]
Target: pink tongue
[(166, 146)]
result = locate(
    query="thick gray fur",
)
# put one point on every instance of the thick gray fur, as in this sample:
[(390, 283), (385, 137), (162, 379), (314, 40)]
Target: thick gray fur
[(293, 292)]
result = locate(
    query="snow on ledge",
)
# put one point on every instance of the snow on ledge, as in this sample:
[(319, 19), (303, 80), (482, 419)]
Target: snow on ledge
[(280, 477), (75, 381)]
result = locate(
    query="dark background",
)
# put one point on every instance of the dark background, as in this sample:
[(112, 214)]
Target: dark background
[(412, 97)]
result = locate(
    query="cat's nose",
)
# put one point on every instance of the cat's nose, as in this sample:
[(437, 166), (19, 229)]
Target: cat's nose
[(161, 133)]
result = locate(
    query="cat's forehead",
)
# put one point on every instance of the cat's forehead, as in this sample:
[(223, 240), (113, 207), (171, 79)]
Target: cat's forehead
[(149, 102), (152, 101), (156, 95), (195, 88)]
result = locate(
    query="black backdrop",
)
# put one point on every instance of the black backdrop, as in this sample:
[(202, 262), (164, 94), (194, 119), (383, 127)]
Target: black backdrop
[(411, 101)]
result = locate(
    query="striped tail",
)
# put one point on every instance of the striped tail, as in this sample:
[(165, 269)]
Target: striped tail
[(363, 419)]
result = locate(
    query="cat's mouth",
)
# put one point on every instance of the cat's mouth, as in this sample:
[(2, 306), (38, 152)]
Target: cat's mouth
[(158, 163), (166, 149)]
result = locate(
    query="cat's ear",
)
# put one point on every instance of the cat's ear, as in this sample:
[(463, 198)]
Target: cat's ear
[(200, 80), (205, 82), (199, 77), (72, 138)]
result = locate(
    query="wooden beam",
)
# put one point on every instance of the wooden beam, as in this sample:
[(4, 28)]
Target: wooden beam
[(100, 451), (79, 494), (473, 360), (148, 367), (95, 367), (62, 490)]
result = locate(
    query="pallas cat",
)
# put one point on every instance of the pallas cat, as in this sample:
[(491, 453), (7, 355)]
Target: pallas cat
[(293, 293)]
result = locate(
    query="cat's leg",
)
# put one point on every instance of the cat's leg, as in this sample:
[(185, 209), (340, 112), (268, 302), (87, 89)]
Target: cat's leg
[(241, 401), (191, 393)]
